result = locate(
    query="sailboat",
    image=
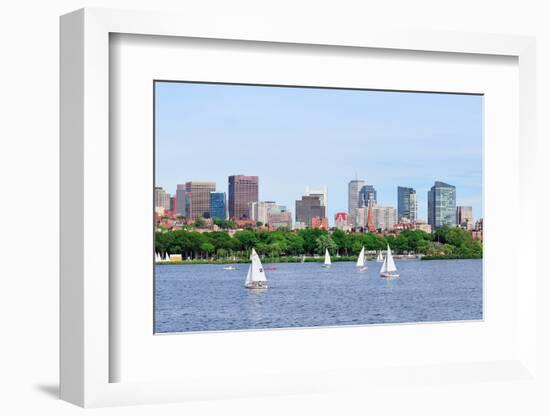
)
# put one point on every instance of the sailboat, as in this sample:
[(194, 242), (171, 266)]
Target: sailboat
[(157, 258), (327, 259), (388, 268), (361, 261), (303, 258), (255, 278), (379, 257), (230, 268)]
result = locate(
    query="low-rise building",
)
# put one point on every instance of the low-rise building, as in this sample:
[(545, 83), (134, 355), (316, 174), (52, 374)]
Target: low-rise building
[(423, 226), (319, 222), (278, 217)]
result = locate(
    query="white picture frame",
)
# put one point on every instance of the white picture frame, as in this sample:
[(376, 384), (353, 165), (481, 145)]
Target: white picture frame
[(87, 356)]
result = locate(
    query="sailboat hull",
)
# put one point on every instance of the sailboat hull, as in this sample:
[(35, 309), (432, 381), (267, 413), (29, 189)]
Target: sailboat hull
[(388, 275), (256, 285), (326, 266), (362, 268)]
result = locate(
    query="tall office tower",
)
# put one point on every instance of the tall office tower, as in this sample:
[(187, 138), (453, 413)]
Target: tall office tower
[(383, 218), (321, 192), (465, 217), (406, 204), (173, 203), (218, 205), (242, 191), (180, 200), (367, 196), (354, 187), (279, 216), (309, 207), (162, 198), (258, 211), (441, 205), (197, 199)]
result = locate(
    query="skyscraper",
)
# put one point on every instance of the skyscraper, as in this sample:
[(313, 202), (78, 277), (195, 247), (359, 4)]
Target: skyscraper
[(367, 196), (354, 187), (441, 205), (242, 191), (197, 199), (173, 203), (180, 200), (322, 193), (309, 207), (465, 217), (406, 204), (218, 205)]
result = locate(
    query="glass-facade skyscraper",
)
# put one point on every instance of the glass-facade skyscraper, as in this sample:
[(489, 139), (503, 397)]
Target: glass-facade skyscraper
[(367, 196), (441, 205), (406, 204), (180, 200), (218, 206)]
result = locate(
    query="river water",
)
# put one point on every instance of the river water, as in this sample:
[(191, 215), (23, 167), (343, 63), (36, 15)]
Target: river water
[(209, 298)]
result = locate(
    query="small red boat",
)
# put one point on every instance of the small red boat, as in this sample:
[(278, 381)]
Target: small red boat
[(270, 268)]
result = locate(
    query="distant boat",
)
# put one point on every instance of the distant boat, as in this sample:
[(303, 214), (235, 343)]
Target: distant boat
[(255, 278), (388, 268), (157, 258), (327, 259), (361, 261), (230, 268), (379, 257), (167, 257), (303, 258)]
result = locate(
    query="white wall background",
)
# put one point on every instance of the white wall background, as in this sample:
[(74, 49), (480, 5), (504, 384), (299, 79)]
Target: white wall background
[(29, 208)]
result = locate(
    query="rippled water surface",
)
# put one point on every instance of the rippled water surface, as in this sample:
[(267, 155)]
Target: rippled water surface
[(206, 297)]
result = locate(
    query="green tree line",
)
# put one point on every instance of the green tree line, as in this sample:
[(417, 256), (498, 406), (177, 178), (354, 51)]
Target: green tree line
[(449, 242)]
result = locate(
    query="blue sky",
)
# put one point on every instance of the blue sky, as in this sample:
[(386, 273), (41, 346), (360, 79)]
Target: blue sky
[(294, 137)]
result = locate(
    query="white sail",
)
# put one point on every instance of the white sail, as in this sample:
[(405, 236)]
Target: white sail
[(388, 265), (361, 258), (166, 257), (379, 258), (248, 276), (303, 258), (327, 258), (256, 270)]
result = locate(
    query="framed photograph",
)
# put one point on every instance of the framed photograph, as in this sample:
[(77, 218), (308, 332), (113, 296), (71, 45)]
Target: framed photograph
[(360, 259), (273, 212)]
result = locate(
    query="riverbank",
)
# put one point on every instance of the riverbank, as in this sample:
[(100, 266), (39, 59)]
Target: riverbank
[(451, 258), (265, 260), (268, 260)]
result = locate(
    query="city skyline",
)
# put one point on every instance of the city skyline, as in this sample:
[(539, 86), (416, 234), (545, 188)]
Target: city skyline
[(454, 211), (387, 139)]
